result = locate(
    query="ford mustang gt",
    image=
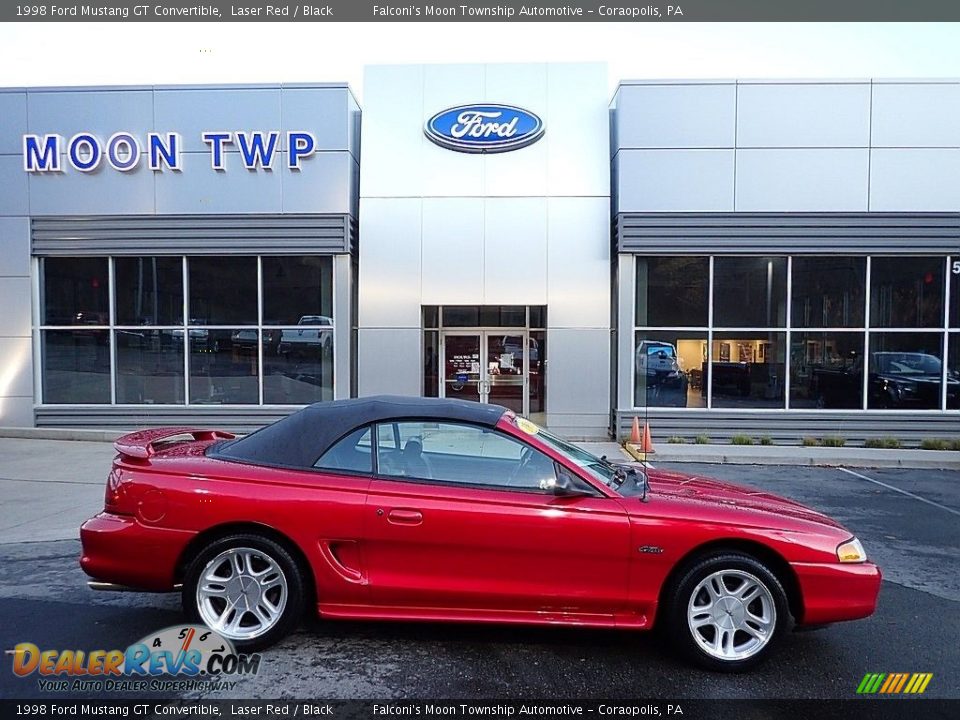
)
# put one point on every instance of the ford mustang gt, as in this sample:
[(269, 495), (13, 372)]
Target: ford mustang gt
[(394, 508)]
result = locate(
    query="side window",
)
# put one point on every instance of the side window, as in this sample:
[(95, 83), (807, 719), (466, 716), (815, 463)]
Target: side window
[(350, 454), (463, 454)]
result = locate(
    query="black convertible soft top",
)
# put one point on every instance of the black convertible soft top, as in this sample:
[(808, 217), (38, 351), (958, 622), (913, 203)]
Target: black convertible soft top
[(299, 439)]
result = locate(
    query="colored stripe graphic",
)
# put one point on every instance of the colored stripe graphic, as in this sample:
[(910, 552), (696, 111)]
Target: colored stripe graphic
[(894, 683)]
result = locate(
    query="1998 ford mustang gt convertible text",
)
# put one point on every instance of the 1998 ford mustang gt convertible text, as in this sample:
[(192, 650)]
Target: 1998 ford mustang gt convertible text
[(417, 509)]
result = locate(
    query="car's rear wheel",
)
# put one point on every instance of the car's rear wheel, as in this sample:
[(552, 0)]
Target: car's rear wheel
[(247, 588), (726, 611)]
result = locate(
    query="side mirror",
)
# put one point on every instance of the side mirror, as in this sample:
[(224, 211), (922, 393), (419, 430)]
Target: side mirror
[(563, 485)]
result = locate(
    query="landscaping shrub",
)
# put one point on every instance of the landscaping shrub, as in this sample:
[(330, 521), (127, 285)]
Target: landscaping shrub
[(740, 439), (935, 444), (675, 440), (702, 439), (833, 441), (809, 441), (766, 440), (885, 443)]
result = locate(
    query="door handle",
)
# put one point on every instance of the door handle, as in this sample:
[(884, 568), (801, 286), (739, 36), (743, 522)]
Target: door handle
[(402, 516)]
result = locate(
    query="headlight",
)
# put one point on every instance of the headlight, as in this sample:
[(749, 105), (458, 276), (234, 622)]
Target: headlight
[(851, 552)]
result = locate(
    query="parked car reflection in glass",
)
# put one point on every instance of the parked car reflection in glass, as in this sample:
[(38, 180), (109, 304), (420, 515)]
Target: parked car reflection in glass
[(312, 332), (666, 382), (896, 380)]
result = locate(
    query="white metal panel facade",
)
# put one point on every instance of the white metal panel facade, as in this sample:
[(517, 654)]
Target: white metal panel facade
[(488, 229)]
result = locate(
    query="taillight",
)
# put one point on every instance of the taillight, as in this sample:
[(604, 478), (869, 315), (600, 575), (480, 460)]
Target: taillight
[(116, 499)]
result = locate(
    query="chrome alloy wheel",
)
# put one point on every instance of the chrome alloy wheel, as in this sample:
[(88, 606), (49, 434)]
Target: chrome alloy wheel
[(241, 593), (732, 615)]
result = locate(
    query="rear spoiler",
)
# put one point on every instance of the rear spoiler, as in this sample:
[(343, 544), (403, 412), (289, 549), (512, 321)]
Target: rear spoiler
[(140, 444)]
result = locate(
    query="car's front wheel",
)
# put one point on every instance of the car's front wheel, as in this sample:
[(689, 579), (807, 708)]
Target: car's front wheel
[(726, 611), (245, 587)]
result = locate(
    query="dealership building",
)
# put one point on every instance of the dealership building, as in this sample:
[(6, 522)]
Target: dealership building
[(776, 258)]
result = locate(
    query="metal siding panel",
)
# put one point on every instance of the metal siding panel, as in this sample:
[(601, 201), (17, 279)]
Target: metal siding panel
[(13, 122), (515, 251), (192, 112), (915, 179), (174, 235), (803, 115), (326, 112), (17, 354), (101, 112), (802, 180), (791, 426), (578, 371), (103, 191), (675, 180), (233, 418), (390, 258), (578, 262), (577, 130), (675, 116), (452, 251), (389, 361), (813, 233), (14, 196), (324, 184), (200, 189), (392, 122), (916, 115), (14, 247)]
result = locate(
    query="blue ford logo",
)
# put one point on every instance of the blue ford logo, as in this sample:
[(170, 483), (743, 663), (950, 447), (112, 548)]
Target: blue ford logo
[(484, 128)]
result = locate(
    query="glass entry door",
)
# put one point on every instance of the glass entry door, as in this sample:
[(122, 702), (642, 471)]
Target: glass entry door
[(487, 366)]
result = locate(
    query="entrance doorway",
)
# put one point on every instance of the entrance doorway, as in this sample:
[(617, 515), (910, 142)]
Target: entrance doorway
[(501, 361), (489, 366)]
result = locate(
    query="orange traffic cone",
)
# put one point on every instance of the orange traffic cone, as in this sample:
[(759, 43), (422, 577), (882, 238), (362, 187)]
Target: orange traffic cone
[(635, 431), (646, 447)]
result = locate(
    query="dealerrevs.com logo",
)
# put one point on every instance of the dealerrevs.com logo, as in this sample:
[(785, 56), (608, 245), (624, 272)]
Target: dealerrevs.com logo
[(176, 659)]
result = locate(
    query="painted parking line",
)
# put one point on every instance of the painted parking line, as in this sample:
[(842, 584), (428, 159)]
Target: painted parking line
[(902, 492)]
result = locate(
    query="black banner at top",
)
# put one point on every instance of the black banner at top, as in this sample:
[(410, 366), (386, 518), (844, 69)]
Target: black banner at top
[(485, 11)]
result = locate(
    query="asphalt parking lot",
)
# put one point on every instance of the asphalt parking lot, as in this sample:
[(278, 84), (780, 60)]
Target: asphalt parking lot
[(909, 521)]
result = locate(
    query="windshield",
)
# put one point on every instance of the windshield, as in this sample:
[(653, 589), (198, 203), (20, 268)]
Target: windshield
[(597, 468)]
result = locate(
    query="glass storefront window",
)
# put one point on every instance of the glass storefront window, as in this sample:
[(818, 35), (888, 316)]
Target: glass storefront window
[(300, 369), (75, 366), (295, 288), (149, 290), (672, 291), (223, 366), (955, 291), (749, 292), (149, 366), (484, 316), (669, 369), (748, 369), (906, 292), (75, 291), (953, 371), (826, 370), (828, 291), (223, 290), (905, 370), (151, 331)]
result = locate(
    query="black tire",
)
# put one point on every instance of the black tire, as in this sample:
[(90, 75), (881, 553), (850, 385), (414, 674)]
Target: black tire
[(263, 548), (685, 640)]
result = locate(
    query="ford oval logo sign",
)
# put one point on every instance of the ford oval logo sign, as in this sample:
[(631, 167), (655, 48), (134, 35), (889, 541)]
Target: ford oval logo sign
[(484, 128)]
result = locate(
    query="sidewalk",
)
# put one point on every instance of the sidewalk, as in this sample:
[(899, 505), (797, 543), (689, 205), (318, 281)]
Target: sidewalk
[(800, 455)]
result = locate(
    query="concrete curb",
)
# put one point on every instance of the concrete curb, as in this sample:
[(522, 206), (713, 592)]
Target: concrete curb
[(785, 455), (60, 434)]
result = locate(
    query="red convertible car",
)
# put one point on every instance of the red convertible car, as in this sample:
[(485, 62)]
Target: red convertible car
[(394, 508)]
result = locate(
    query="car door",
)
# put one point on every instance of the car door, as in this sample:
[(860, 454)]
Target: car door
[(456, 523)]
